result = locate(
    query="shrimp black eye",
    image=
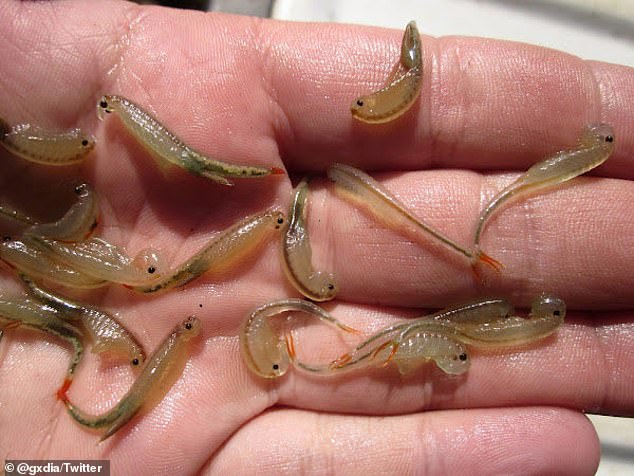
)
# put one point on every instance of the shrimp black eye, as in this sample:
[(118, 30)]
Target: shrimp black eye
[(463, 356), (276, 367), (359, 102), (557, 313), (188, 326), (331, 286), (135, 361), (609, 138), (103, 104), (151, 270), (280, 221), (84, 142)]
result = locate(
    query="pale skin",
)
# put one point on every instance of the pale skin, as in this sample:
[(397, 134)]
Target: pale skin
[(251, 90)]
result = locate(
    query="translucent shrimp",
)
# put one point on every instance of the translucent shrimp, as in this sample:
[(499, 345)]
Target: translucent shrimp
[(418, 345), (267, 354), (99, 259), (595, 146), (77, 223), (20, 312), (361, 189), (105, 331), (432, 326), (45, 147), (167, 148), (232, 243), (546, 316), (162, 369), (30, 259), (488, 325), (400, 92), (297, 254)]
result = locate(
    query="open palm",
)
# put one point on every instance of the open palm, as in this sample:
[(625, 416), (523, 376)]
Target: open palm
[(260, 92)]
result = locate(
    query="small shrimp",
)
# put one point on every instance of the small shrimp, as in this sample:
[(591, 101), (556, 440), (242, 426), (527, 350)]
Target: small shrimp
[(488, 325), (159, 374), (595, 146), (45, 147), (400, 92), (167, 148), (267, 354), (16, 312), (296, 253), (221, 251), (371, 196), (106, 332), (77, 223), (99, 259), (30, 259), (432, 326), (546, 316), (418, 345)]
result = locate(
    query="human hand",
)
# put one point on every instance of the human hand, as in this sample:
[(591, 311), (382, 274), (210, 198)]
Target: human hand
[(271, 93)]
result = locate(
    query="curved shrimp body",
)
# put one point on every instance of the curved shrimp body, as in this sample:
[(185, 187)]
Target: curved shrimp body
[(432, 328), (45, 147), (297, 253), (365, 192), (266, 353), (30, 259), (232, 243), (400, 92), (546, 316), (20, 312), (595, 147), (159, 374), (167, 148), (77, 223), (105, 331), (101, 260)]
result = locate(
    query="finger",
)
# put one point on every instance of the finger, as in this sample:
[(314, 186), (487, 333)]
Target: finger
[(485, 104), (572, 241), (500, 441)]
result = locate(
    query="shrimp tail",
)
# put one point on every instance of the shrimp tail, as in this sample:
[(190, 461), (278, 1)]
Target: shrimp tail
[(484, 258), (277, 171), (349, 329), (62, 392), (290, 346), (340, 361)]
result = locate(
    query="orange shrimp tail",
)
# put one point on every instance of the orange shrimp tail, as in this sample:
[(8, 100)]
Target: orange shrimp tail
[(63, 390), (349, 329), (484, 258), (384, 346), (277, 171), (340, 361), (290, 346)]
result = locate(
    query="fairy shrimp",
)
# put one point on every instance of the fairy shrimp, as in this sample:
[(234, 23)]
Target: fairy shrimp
[(297, 253), (596, 144), (161, 371), (167, 148), (45, 147), (401, 91), (368, 194)]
